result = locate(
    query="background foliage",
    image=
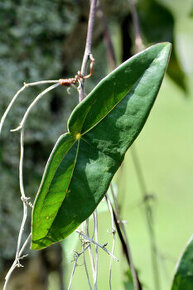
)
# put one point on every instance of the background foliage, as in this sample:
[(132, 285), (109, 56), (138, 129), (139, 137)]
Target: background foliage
[(41, 40)]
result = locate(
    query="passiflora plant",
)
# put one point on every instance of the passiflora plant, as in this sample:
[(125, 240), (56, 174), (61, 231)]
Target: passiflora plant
[(100, 130)]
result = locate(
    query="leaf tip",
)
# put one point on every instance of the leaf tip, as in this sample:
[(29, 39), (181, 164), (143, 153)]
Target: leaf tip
[(167, 45)]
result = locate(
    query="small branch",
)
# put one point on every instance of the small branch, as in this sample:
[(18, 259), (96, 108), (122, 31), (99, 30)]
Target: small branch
[(138, 40), (107, 37), (89, 249), (22, 124), (95, 219), (17, 95), (15, 263), (125, 243), (138, 47), (103, 247), (149, 218), (77, 255), (86, 57), (88, 47), (24, 199), (84, 260), (23, 196), (86, 270), (113, 232)]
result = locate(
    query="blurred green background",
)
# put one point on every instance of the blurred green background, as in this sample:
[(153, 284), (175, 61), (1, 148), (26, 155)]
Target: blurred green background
[(46, 40)]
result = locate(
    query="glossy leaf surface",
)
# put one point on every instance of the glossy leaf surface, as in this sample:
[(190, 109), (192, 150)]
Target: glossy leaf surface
[(100, 130), (183, 278)]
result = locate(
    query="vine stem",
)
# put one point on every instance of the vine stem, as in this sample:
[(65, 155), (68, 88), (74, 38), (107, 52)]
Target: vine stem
[(77, 255), (107, 37), (89, 249), (24, 199), (22, 124), (138, 40), (125, 242), (17, 95), (84, 259), (88, 55), (95, 218), (139, 172), (113, 233), (102, 246), (88, 47), (15, 263), (149, 217)]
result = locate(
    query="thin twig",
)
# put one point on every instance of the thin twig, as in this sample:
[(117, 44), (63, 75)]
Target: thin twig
[(103, 247), (89, 249), (125, 242), (15, 263), (84, 259), (95, 219), (86, 269), (17, 95), (138, 40), (88, 47), (24, 199), (77, 255), (23, 196), (113, 233), (107, 37), (86, 57), (22, 124), (25, 210), (149, 217), (148, 211)]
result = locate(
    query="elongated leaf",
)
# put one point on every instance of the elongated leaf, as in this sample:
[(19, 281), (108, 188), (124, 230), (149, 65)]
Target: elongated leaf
[(183, 278), (101, 128)]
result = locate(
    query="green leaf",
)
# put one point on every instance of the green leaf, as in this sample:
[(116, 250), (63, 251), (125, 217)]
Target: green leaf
[(183, 278), (100, 130)]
